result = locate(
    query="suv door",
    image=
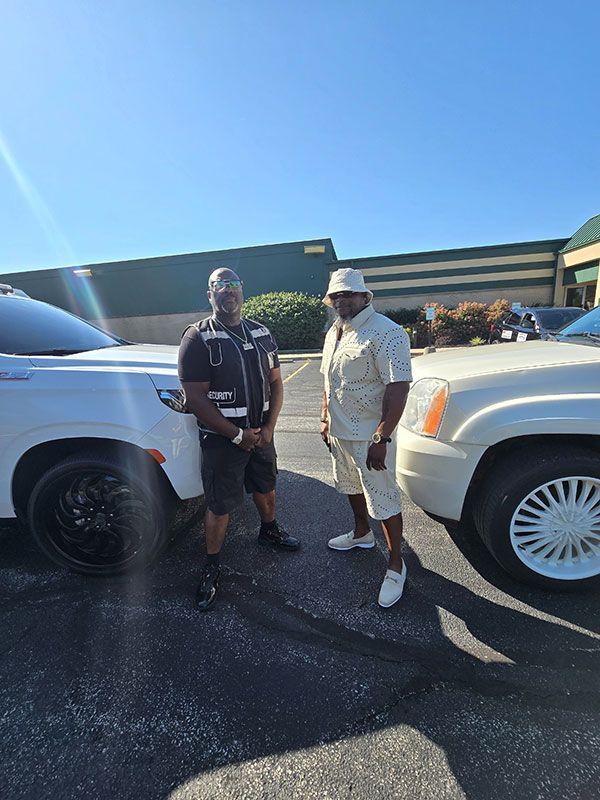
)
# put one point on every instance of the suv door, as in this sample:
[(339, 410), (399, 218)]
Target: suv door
[(508, 332), (15, 382), (526, 328)]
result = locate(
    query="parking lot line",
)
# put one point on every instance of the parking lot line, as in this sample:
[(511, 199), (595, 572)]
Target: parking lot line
[(295, 372)]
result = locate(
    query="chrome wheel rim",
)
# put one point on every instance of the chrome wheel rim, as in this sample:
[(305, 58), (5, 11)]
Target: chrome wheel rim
[(555, 530)]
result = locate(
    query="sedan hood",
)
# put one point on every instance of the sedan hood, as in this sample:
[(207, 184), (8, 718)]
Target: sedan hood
[(463, 362)]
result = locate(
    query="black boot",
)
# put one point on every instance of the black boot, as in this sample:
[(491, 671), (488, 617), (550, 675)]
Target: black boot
[(275, 536), (207, 588)]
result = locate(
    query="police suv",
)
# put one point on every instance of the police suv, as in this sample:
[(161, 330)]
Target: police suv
[(97, 454)]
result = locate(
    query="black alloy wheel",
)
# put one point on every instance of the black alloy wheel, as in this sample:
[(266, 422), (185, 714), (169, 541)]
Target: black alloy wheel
[(99, 517)]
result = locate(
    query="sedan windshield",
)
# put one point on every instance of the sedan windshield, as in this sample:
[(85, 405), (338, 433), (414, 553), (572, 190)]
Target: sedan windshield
[(28, 327), (588, 324), (554, 318)]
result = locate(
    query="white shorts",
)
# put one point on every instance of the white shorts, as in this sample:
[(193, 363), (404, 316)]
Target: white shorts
[(351, 476)]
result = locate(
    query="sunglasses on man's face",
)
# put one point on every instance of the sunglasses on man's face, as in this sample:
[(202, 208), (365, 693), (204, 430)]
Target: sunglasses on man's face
[(341, 295), (219, 285)]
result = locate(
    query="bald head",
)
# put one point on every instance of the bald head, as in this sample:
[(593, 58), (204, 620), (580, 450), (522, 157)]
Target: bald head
[(223, 274), (226, 300)]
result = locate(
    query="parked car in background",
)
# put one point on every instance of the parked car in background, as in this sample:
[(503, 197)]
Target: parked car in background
[(533, 323), (97, 454), (506, 442)]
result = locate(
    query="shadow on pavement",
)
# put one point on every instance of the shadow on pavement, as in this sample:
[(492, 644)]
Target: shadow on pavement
[(119, 688)]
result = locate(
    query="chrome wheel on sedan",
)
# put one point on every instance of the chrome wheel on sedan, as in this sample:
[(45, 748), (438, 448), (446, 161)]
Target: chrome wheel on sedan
[(538, 513), (555, 530)]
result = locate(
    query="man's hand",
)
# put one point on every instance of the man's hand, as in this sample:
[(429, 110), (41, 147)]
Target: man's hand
[(250, 438), (265, 436), (325, 434), (376, 456)]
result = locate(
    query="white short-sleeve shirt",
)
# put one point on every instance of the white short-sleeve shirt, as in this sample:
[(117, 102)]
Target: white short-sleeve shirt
[(372, 352)]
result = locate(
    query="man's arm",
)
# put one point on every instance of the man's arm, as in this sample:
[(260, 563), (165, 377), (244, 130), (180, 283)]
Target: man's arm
[(275, 404), (325, 421), (394, 400), (197, 401)]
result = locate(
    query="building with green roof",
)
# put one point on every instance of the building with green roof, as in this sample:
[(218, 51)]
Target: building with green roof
[(576, 281), (154, 299)]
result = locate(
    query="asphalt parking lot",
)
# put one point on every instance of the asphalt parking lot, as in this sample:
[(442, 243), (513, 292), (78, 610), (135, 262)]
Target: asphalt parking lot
[(297, 685)]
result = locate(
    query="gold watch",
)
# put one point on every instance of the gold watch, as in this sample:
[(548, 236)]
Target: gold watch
[(377, 438)]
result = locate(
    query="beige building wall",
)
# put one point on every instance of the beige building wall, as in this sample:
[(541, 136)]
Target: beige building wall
[(524, 295), (575, 258), (158, 329)]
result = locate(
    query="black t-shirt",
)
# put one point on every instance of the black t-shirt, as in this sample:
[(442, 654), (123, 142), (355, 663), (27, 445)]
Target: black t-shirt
[(194, 365)]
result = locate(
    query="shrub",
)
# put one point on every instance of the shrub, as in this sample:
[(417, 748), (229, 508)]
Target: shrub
[(497, 310), (458, 325), (407, 317), (476, 341), (295, 319)]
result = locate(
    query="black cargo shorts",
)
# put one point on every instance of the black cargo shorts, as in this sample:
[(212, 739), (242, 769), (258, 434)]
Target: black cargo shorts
[(227, 470)]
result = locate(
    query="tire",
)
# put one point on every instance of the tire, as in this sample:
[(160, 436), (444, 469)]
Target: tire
[(538, 545), (99, 515)]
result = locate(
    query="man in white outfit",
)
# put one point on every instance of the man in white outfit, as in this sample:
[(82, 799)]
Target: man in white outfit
[(367, 372)]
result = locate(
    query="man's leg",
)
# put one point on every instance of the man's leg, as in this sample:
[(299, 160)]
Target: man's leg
[(223, 479), (261, 474), (265, 503), (362, 525), (215, 528), (270, 532), (392, 527)]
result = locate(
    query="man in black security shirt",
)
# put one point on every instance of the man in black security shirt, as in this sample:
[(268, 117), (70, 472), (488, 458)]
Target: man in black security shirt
[(229, 370)]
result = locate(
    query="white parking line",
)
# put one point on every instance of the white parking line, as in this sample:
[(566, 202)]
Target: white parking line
[(289, 377)]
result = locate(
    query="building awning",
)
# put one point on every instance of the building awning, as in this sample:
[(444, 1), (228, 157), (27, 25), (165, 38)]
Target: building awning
[(586, 273)]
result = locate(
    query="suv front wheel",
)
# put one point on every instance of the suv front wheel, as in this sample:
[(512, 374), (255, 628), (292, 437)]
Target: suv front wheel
[(99, 515), (539, 515)]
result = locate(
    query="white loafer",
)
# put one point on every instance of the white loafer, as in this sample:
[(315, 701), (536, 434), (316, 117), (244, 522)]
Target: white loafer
[(392, 587), (347, 541)]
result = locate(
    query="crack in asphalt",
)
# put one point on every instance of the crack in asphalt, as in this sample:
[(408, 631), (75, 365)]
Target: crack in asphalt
[(273, 611)]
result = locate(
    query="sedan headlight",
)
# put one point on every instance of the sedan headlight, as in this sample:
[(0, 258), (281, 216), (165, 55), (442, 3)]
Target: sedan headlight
[(425, 406), (174, 398)]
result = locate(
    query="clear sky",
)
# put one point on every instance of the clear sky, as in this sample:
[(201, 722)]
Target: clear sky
[(133, 128)]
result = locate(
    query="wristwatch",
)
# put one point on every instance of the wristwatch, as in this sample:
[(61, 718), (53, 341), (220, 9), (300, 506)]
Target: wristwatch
[(377, 438), (238, 437)]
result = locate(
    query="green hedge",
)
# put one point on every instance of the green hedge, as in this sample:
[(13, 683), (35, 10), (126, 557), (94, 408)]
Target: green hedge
[(296, 320)]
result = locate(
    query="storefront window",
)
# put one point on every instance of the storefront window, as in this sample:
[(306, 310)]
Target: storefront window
[(582, 296)]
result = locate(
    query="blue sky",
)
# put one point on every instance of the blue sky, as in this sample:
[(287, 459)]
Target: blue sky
[(132, 129)]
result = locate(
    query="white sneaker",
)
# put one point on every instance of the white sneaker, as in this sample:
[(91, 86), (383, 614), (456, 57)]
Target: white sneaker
[(347, 541), (392, 587)]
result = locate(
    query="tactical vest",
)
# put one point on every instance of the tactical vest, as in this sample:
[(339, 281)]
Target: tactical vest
[(228, 380)]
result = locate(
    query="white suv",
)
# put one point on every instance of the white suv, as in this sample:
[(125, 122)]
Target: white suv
[(96, 451), (508, 438)]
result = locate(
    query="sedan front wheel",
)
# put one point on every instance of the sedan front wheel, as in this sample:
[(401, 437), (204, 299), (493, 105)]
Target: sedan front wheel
[(539, 515)]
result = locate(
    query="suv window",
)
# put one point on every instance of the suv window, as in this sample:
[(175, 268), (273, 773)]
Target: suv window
[(28, 327), (512, 319), (528, 321)]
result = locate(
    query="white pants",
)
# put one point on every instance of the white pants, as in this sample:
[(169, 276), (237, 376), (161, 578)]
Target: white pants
[(351, 476)]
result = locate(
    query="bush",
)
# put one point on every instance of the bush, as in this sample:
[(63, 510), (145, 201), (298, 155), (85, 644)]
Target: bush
[(498, 310), (459, 325), (296, 320), (407, 317)]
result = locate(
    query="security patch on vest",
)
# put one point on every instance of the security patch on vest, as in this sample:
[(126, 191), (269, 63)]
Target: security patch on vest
[(223, 397)]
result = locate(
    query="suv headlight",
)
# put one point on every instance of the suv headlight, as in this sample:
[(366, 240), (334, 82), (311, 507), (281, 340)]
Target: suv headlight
[(174, 398), (425, 406)]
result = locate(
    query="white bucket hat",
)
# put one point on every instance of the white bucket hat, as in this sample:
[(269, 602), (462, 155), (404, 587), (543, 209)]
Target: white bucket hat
[(346, 280)]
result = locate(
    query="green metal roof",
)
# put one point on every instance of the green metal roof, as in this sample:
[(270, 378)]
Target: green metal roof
[(588, 233)]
